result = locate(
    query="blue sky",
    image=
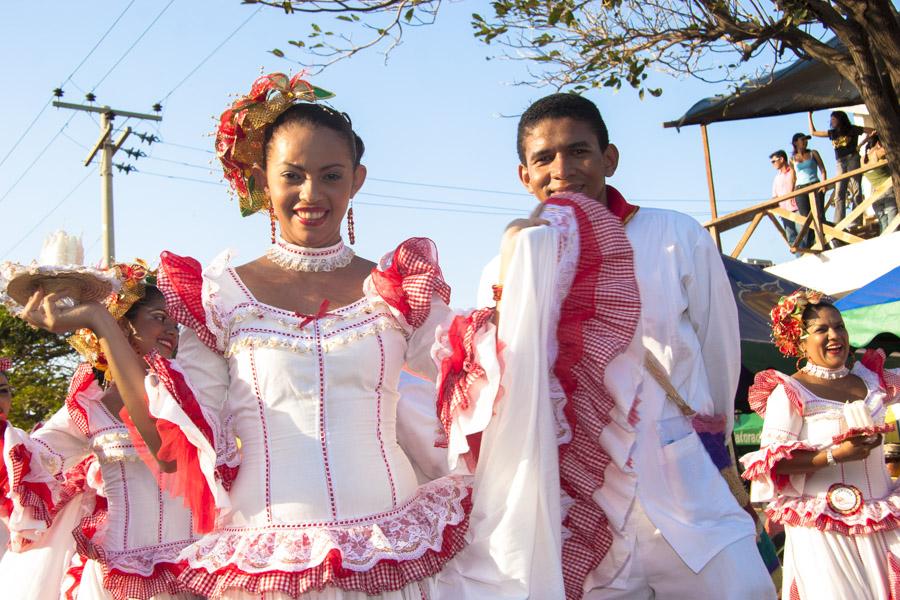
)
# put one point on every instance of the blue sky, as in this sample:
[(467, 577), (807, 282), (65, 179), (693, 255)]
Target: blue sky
[(434, 117)]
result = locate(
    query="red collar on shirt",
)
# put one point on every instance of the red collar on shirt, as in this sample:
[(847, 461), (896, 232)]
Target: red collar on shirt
[(618, 206)]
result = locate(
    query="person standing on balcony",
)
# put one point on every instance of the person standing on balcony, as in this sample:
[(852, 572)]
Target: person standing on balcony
[(843, 135), (807, 164), (885, 205), (782, 185)]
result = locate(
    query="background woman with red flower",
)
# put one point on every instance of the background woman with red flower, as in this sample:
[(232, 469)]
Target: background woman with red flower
[(820, 465)]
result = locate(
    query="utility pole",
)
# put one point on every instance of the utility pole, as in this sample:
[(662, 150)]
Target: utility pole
[(107, 149)]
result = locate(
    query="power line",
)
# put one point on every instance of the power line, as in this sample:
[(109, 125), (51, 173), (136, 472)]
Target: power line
[(65, 81), (465, 204), (206, 150), (210, 55), (184, 164), (133, 44), (432, 208), (102, 37), (449, 187), (49, 213), (36, 158)]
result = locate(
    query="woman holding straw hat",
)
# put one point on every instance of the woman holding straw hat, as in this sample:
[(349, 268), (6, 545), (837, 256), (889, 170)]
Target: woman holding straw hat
[(129, 531)]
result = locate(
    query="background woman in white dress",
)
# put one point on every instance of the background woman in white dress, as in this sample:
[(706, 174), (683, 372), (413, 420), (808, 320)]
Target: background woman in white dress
[(128, 532), (820, 465)]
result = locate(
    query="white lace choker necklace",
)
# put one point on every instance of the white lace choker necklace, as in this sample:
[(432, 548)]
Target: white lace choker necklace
[(825, 372), (297, 258)]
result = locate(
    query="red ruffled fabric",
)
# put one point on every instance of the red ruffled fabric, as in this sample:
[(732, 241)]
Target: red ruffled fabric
[(786, 515), (187, 481), (597, 323), (34, 495), (74, 483), (387, 575), (82, 379), (180, 280), (766, 465), (863, 431), (893, 576), (765, 383), (411, 279), (460, 370), (874, 360)]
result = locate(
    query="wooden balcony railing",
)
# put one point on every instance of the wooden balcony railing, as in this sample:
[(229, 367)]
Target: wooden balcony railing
[(824, 231)]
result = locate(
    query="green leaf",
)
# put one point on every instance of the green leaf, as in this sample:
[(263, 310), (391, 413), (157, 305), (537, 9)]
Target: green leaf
[(277, 52), (316, 28), (298, 43), (409, 15), (345, 18)]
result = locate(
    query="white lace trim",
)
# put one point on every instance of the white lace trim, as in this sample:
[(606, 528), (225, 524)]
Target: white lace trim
[(142, 561), (403, 534), (297, 258)]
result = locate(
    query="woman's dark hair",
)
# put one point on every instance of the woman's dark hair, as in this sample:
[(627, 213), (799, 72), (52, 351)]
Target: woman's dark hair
[(321, 116), (843, 121), (151, 293), (872, 141), (812, 311)]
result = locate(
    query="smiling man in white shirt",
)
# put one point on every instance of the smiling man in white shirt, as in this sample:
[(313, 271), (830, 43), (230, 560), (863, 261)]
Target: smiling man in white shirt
[(676, 530)]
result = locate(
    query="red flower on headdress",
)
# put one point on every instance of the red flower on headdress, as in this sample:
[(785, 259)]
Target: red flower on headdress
[(236, 134)]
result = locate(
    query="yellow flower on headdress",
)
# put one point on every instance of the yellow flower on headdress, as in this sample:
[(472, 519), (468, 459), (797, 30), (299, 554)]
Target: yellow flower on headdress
[(134, 277)]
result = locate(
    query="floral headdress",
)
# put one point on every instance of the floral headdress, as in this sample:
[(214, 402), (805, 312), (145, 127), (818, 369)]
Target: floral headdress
[(135, 278), (240, 134), (787, 321)]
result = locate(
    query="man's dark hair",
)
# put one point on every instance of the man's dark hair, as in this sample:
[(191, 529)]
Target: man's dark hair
[(779, 154), (561, 106)]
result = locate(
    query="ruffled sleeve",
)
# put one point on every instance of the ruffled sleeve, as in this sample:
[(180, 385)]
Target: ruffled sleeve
[(889, 379), (187, 398), (32, 471), (458, 351), (782, 409)]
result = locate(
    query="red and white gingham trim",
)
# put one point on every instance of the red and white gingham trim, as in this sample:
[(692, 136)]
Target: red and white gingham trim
[(763, 385), (598, 320), (81, 381), (460, 370), (386, 575), (409, 278), (180, 280), (874, 360)]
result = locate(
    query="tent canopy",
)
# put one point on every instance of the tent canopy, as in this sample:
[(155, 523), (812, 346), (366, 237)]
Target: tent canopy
[(800, 87), (872, 313)]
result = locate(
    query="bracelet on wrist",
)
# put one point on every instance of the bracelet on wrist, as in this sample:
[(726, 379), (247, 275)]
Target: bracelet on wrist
[(829, 457), (497, 288)]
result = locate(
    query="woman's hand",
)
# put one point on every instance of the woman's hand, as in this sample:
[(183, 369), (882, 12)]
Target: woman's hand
[(508, 242), (855, 448), (47, 312)]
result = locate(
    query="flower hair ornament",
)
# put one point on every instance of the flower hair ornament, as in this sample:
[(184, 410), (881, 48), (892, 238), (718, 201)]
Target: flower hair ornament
[(787, 321), (135, 278), (241, 131)]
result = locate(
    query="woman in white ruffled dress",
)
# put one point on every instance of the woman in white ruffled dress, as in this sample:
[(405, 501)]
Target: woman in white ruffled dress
[(80, 475), (298, 354), (820, 465)]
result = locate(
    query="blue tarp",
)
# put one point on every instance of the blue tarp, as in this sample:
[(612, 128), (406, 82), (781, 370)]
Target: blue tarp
[(881, 291)]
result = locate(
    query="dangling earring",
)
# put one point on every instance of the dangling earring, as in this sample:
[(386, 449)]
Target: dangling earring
[(272, 219), (351, 233)]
